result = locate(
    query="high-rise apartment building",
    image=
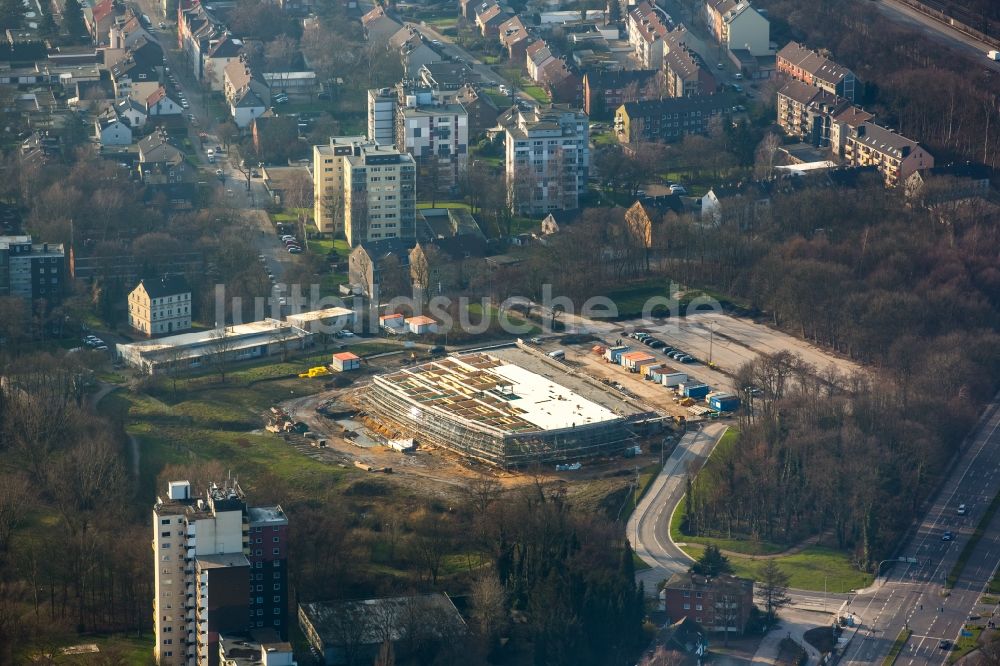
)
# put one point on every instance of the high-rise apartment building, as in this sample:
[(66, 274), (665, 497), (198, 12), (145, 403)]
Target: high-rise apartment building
[(220, 567), (548, 158), (31, 271), (382, 116), (364, 190), (436, 133)]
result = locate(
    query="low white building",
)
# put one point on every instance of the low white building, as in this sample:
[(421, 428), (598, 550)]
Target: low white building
[(421, 325), (394, 323), (329, 320), (344, 361), (240, 342)]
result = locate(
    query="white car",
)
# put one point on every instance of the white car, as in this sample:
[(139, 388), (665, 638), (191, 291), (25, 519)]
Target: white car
[(678, 189)]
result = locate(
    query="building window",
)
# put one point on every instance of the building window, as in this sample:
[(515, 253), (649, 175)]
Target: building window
[(697, 607), (277, 611), (276, 551), (687, 606), (277, 600), (687, 594), (277, 586)]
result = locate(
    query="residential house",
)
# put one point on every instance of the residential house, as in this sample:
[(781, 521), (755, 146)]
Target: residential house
[(647, 28), (139, 64), (684, 72), (413, 51), (515, 38), (127, 29), (131, 112), (644, 222), (807, 112), (948, 184), (376, 621), (444, 265), (669, 119), (110, 130), (160, 305), (272, 135), (163, 169), (489, 17), (376, 264), (198, 32), (100, 18), (547, 159), (735, 24), (481, 110), (246, 91), (719, 604), (896, 156), (743, 203), (379, 27), (158, 104), (604, 91), (536, 55), (221, 51), (562, 83), (435, 223), (808, 66), (557, 220), (467, 9)]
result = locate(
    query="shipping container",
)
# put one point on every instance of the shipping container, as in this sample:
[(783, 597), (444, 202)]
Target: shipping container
[(695, 391), (614, 354), (724, 403), (634, 360)]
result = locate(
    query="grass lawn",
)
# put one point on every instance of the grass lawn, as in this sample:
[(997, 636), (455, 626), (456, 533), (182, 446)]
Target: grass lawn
[(502, 101), (806, 570), (965, 644), (442, 22), (113, 649), (604, 139), (897, 647), (630, 300), (443, 204), (646, 476), (537, 93)]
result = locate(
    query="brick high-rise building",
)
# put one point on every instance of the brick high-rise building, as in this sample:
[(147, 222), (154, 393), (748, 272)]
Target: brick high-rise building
[(220, 568)]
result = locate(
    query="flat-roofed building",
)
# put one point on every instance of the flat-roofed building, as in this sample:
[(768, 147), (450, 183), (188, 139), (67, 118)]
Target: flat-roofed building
[(327, 320)]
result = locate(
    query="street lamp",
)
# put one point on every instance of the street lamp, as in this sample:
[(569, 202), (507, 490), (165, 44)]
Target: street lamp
[(906, 560)]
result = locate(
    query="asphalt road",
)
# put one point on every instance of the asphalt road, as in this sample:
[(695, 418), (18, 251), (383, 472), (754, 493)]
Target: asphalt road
[(937, 32), (913, 595)]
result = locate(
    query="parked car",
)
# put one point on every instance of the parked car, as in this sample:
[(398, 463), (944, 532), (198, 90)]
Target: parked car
[(295, 250), (962, 509), (438, 349), (678, 189), (220, 173), (947, 536)]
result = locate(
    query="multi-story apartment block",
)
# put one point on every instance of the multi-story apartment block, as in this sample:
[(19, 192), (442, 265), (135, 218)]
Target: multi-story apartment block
[(382, 116), (736, 25), (436, 134), (647, 29), (844, 124), (32, 271), (220, 567), (547, 158), (807, 112), (364, 190), (684, 72), (160, 306), (722, 603), (808, 66), (669, 119), (895, 156), (603, 92)]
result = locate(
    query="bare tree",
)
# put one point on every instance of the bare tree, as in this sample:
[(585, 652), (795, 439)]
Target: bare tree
[(765, 156), (220, 346), (15, 492), (489, 606)]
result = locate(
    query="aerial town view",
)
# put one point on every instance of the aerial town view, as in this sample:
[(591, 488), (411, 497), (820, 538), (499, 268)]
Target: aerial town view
[(500, 332)]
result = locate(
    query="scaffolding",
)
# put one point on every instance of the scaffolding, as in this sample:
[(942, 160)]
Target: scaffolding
[(459, 404)]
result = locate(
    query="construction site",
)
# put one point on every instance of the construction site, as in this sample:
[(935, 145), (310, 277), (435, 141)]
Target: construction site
[(490, 408)]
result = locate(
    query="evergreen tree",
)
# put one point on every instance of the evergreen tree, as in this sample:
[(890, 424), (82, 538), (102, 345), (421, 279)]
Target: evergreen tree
[(712, 563), (73, 20)]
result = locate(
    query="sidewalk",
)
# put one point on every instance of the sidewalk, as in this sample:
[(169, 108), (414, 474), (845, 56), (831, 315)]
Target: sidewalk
[(794, 625)]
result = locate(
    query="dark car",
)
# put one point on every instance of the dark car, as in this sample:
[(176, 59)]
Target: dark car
[(947, 536), (945, 645), (438, 349)]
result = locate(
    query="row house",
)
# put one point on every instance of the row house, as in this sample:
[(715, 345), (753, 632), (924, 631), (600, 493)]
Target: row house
[(246, 92), (803, 64), (489, 17), (221, 51), (684, 72), (197, 31), (562, 83), (807, 113), (379, 27), (736, 25), (137, 70), (669, 119), (536, 55), (126, 29), (846, 123), (895, 156), (647, 30), (604, 91), (99, 19)]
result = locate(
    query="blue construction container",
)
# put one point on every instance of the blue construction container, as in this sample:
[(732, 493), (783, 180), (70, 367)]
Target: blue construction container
[(614, 354), (724, 403), (696, 391)]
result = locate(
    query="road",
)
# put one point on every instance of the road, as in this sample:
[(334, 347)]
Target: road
[(914, 595), (649, 525), (938, 32)]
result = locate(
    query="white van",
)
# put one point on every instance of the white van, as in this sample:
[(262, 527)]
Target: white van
[(558, 354)]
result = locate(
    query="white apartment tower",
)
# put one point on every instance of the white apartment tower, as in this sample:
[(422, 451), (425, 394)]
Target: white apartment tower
[(436, 134), (548, 158), (364, 190), (382, 116), (209, 556)]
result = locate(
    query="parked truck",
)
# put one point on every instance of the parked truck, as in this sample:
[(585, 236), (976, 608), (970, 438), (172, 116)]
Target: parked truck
[(993, 55)]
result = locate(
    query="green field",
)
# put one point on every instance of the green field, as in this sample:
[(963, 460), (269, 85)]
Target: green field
[(124, 650)]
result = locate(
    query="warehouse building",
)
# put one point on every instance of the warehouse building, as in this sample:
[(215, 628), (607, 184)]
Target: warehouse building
[(241, 342), (483, 407), (329, 320)]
